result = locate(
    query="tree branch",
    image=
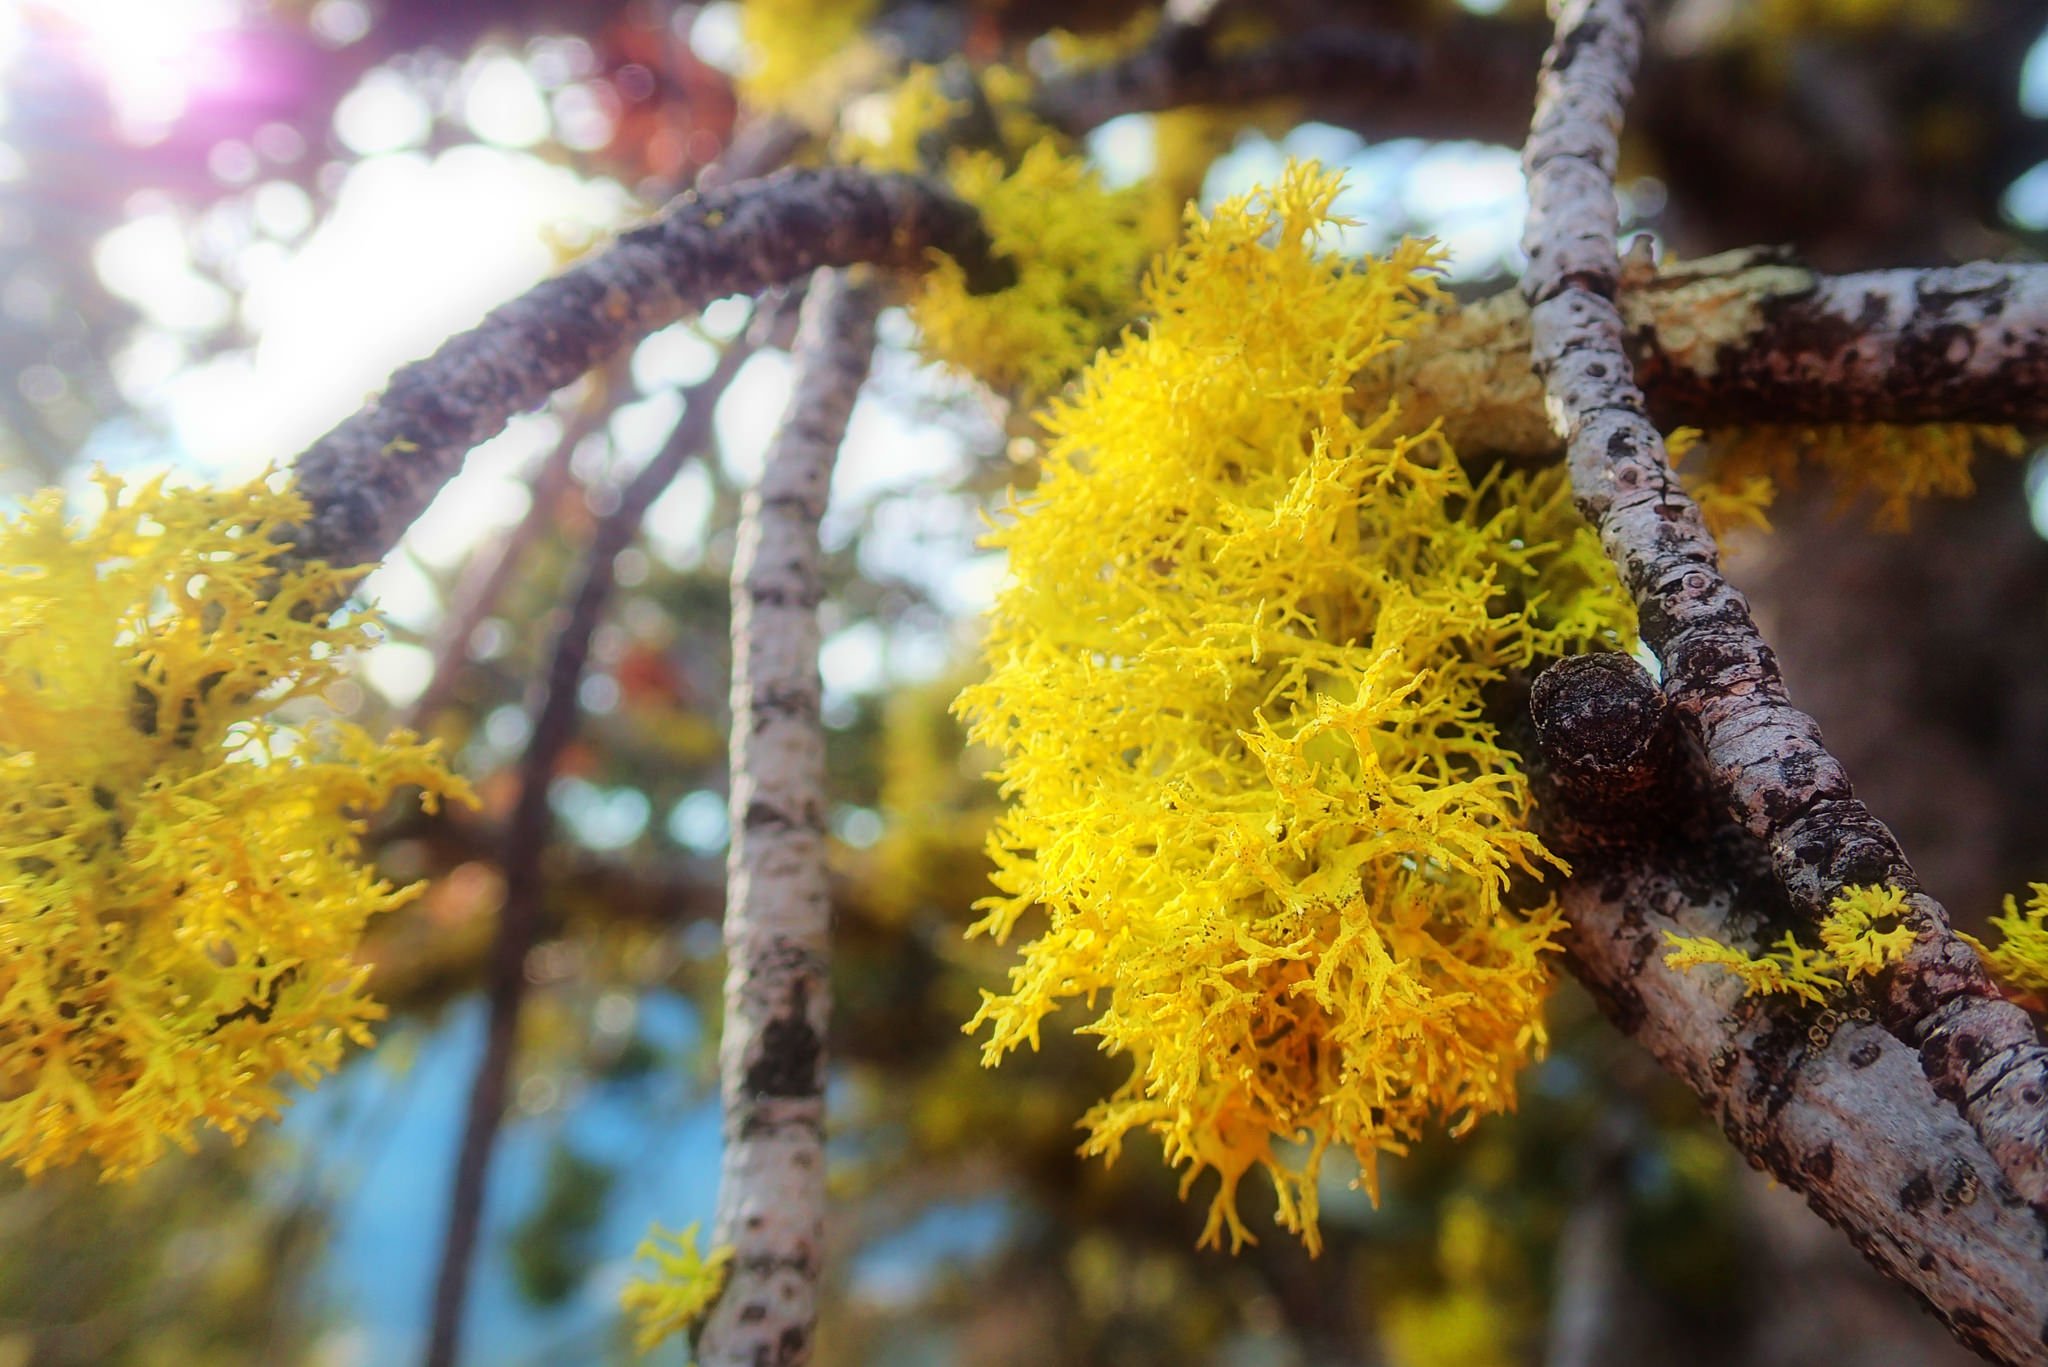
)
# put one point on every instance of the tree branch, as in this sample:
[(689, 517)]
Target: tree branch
[(1844, 1116), (1831, 1105), (1181, 67), (491, 569), (526, 837), (1763, 756), (370, 477), (771, 1194), (1749, 338)]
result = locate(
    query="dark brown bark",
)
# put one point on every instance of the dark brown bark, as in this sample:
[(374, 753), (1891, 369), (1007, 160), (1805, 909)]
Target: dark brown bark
[(1182, 68), (370, 477)]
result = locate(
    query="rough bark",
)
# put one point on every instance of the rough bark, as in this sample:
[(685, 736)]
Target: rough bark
[(1822, 1097), (555, 712), (1748, 337), (1836, 1108), (1763, 757), (771, 1197), (370, 477)]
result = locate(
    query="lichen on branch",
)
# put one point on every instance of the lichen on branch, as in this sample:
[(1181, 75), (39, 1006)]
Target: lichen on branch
[(1079, 246), (181, 881), (1239, 683)]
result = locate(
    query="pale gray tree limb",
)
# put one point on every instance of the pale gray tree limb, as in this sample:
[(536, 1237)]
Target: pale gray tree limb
[(1844, 1116), (555, 711), (771, 1195)]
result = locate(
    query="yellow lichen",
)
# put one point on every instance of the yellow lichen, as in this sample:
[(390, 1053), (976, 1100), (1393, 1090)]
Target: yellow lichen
[(1079, 248), (2021, 958), (1730, 504), (181, 888), (1079, 253), (1889, 465), (1864, 933), (1239, 683), (798, 52), (683, 1287)]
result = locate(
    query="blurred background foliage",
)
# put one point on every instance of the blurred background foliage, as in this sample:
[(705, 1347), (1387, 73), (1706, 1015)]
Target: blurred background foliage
[(222, 222)]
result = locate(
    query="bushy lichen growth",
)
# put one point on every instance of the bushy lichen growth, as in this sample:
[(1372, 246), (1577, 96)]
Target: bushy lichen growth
[(181, 882), (795, 49), (1239, 683), (681, 1289), (1888, 466), (1864, 933), (2021, 958), (1079, 247)]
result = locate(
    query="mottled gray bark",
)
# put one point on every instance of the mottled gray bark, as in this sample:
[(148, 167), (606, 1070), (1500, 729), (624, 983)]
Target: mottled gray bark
[(370, 477), (1836, 1108), (1959, 344), (1749, 338), (771, 1196), (1822, 1096), (1763, 757)]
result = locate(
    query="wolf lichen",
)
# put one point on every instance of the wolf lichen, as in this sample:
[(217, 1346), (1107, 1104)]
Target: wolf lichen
[(1079, 247), (799, 53), (181, 887), (2021, 957), (1864, 933), (682, 1289), (1240, 684)]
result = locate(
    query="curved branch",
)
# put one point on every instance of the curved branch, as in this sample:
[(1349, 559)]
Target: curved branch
[(771, 1191), (370, 477), (1832, 1106), (1764, 756)]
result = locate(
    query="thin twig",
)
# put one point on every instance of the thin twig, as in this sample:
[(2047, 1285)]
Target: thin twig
[(370, 477), (519, 918), (1589, 1268), (1763, 755), (1182, 68), (771, 1196), (490, 572)]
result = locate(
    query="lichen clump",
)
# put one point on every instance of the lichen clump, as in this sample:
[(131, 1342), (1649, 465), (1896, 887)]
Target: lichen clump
[(2021, 958), (1864, 933), (1888, 466), (681, 1290), (181, 887), (799, 52), (1241, 683), (1079, 247)]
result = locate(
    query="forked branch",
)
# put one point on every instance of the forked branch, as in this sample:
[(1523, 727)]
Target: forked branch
[(1979, 1053)]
